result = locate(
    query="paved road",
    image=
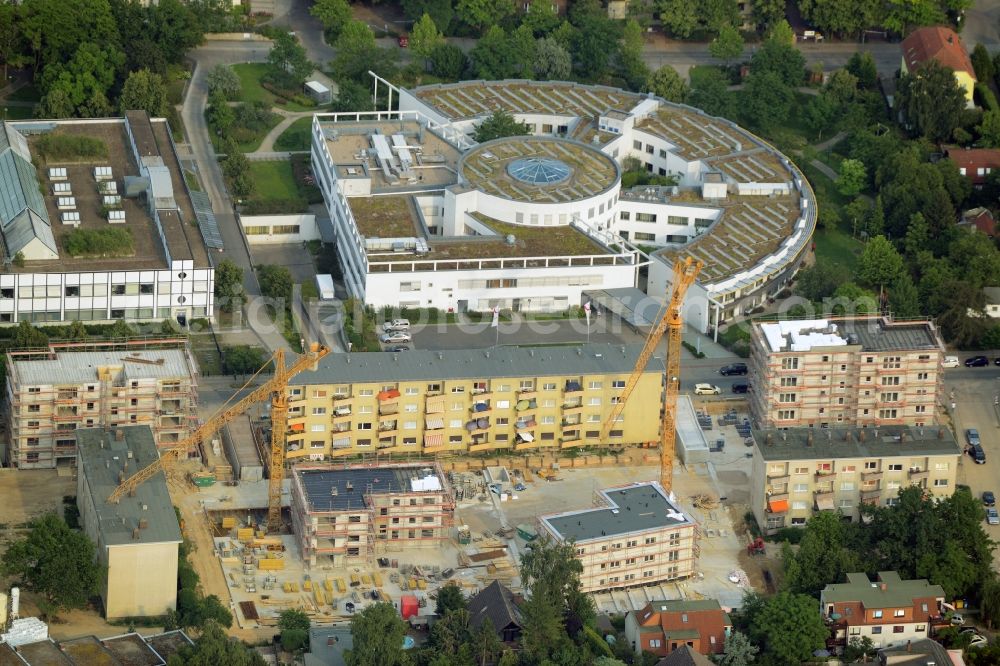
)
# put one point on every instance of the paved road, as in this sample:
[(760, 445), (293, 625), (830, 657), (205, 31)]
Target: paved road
[(982, 25), (294, 15), (193, 113)]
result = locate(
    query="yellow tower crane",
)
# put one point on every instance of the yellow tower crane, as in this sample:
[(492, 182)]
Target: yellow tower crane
[(672, 322), (276, 388)]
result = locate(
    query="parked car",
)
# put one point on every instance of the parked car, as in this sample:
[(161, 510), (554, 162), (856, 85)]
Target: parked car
[(741, 388), (495, 488), (397, 325), (997, 360), (989, 499), (706, 389), (395, 337), (957, 620), (972, 437), (949, 362), (978, 455), (992, 517), (520, 487), (400, 348), (733, 369), (977, 362)]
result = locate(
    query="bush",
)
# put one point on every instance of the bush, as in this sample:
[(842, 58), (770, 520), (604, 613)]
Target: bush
[(694, 350), (287, 94), (986, 96), (274, 206), (792, 535), (55, 147), (107, 242)]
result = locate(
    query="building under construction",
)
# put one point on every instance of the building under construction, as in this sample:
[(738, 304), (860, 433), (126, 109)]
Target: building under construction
[(347, 515), (636, 535), (53, 392)]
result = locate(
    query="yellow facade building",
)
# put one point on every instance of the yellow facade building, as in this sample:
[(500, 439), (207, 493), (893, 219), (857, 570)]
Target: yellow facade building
[(942, 44), (470, 401)]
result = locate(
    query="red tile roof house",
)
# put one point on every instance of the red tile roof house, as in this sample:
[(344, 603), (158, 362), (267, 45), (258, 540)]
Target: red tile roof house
[(942, 44), (979, 219), (976, 164), (663, 626), (890, 611)]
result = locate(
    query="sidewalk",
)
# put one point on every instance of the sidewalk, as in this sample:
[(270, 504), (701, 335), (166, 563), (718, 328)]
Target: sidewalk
[(705, 344)]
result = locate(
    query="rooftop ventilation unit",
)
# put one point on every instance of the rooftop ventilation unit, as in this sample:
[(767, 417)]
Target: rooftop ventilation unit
[(116, 217), (71, 217), (63, 188), (103, 173), (57, 173)]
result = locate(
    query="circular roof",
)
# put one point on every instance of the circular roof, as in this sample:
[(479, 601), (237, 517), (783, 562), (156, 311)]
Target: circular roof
[(539, 170)]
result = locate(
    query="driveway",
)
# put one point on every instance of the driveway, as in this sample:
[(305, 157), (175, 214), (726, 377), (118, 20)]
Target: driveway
[(200, 145), (982, 25)]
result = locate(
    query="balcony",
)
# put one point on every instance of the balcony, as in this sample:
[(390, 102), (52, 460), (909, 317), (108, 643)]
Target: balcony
[(824, 501), (573, 410), (573, 387), (917, 474), (870, 493), (342, 418), (488, 446), (824, 472), (527, 394), (777, 479), (342, 402), (477, 425), (388, 408), (482, 394), (481, 408)]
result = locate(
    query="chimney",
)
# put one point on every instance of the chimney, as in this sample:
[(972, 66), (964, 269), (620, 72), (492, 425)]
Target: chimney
[(143, 523), (907, 646), (883, 587), (767, 439), (129, 454), (119, 435), (135, 534), (940, 433), (809, 439), (861, 435)]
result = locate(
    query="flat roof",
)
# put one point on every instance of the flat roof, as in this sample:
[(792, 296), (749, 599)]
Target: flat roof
[(897, 593), (636, 508), (353, 484), (590, 172), (506, 361), (88, 650), (182, 236), (102, 458), (132, 650), (830, 443), (874, 334), (169, 642), (469, 99), (80, 367), (43, 653)]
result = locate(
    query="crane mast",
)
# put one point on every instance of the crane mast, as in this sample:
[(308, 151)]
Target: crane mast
[(671, 322), (275, 389)]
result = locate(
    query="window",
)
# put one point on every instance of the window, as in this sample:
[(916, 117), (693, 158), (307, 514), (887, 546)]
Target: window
[(801, 487), (786, 414), (458, 389), (789, 364), (876, 614), (847, 486), (876, 630), (786, 397), (801, 470), (870, 465), (898, 629), (365, 425), (847, 468), (896, 467), (319, 411), (549, 386), (789, 381), (899, 612), (363, 393), (593, 386), (940, 483)]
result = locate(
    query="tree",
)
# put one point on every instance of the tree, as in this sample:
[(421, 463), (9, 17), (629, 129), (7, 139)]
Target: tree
[(288, 62), (121, 329), (931, 101), (591, 44), (768, 99), (236, 168), (243, 360), (728, 45), (679, 17), (481, 13), (768, 12), (294, 627), (551, 572), (440, 11), (788, 628), (144, 90), (353, 96), (552, 61), (275, 282), (448, 62), (821, 112), (332, 15), (842, 88), (989, 601), (781, 58), (859, 648), (880, 263), (904, 299), (27, 336), (714, 15), (852, 178), (738, 650), (214, 647), (825, 555), (12, 47), (542, 18), (857, 212), (450, 598), (229, 285), (820, 280), (499, 124), (56, 562), (710, 93), (175, 29), (989, 129), (77, 331), (668, 84), (425, 37), (357, 53), (633, 68), (862, 66), (982, 63), (378, 637), (224, 82), (219, 114)]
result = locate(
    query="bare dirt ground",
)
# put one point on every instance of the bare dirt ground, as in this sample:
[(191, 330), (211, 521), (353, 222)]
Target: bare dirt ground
[(32, 493)]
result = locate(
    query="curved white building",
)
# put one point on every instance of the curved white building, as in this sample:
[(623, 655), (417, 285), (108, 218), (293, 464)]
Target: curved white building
[(425, 217)]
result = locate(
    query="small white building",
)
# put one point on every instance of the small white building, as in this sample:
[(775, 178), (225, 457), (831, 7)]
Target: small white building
[(278, 229), (318, 92)]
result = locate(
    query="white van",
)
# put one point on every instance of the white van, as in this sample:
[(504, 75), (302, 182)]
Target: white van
[(949, 362)]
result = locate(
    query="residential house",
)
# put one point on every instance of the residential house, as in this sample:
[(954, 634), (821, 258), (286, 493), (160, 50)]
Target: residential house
[(919, 653), (890, 611), (976, 164), (496, 603), (685, 656), (979, 219), (992, 301), (663, 627), (942, 44)]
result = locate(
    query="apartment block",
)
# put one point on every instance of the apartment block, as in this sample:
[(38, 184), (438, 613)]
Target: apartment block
[(51, 393), (345, 515), (889, 611), (636, 535), (800, 471), (844, 372), (664, 626), (137, 537), (462, 401)]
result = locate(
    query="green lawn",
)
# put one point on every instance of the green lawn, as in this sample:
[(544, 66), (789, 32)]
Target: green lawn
[(254, 143), (250, 75), (296, 137), (837, 246), (696, 73), (273, 181)]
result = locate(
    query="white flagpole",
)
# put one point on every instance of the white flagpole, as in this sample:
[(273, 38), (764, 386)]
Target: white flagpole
[(586, 310), (496, 324)]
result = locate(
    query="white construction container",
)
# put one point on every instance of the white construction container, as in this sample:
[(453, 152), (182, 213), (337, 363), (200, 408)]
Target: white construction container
[(324, 283)]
